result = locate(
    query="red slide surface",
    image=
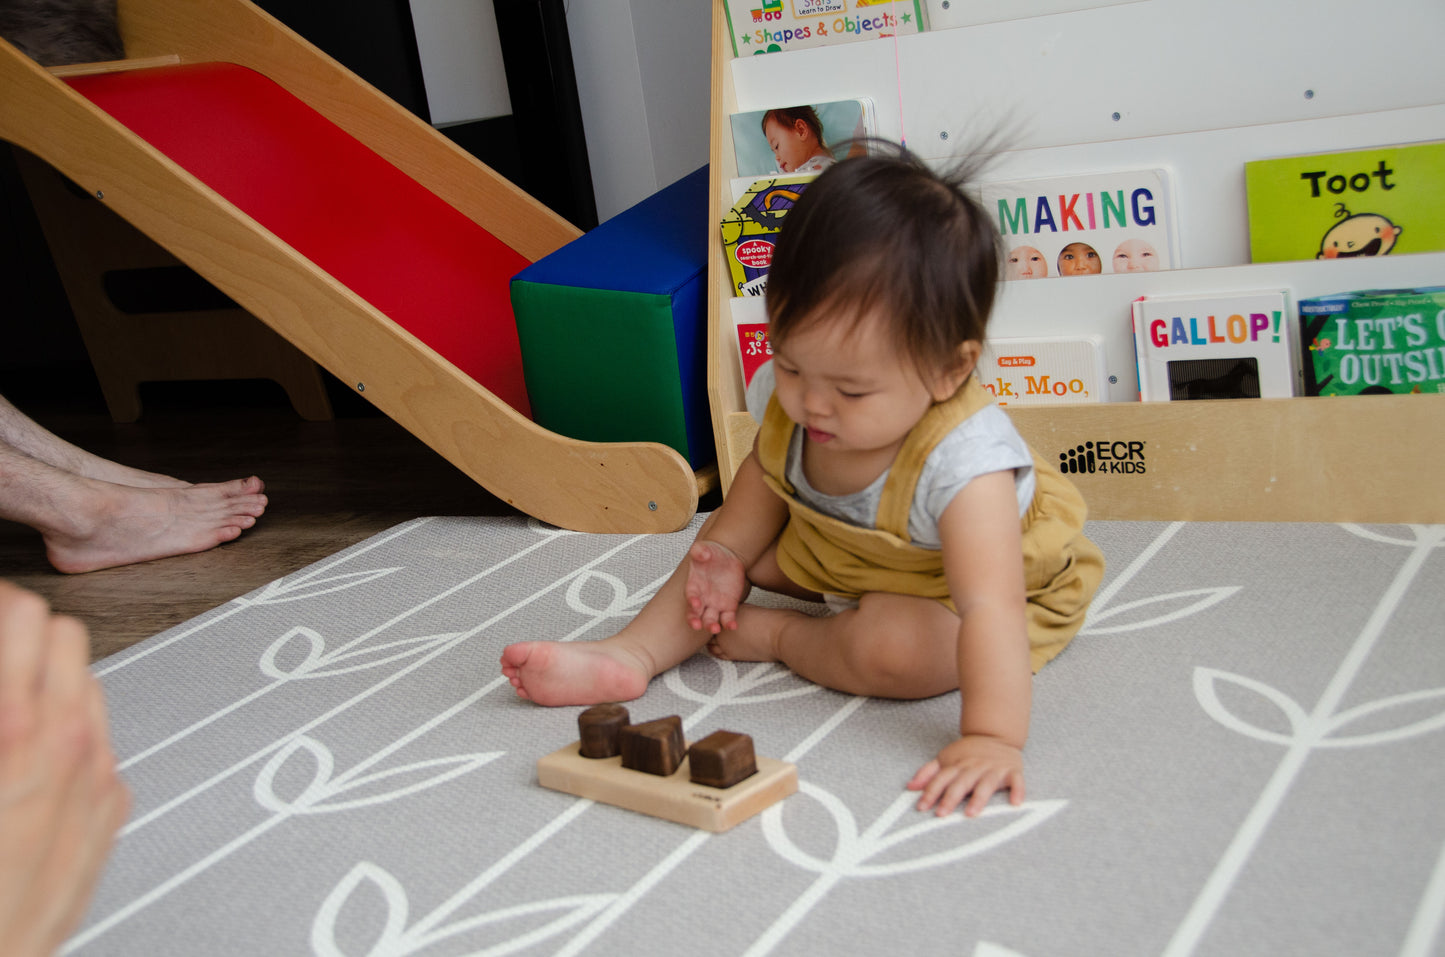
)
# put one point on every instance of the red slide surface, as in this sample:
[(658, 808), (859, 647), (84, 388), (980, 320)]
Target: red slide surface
[(358, 218)]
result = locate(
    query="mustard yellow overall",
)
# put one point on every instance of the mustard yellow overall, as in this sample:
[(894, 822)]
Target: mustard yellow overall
[(1062, 568)]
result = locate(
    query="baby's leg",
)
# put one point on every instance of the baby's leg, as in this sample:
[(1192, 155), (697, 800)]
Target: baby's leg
[(890, 646), (616, 668), (613, 669)]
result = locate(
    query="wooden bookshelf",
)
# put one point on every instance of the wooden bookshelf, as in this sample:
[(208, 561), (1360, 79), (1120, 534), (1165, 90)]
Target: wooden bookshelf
[(1355, 459)]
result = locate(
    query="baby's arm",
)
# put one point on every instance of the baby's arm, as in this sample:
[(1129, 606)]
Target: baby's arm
[(748, 521), (983, 559)]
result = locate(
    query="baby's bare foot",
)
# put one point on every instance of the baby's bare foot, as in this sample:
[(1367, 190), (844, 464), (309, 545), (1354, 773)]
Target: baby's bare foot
[(120, 524), (754, 639), (552, 673)]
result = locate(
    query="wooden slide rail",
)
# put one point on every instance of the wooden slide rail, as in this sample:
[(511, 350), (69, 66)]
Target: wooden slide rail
[(585, 486)]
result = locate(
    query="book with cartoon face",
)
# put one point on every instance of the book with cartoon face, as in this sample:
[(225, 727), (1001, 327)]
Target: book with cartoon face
[(1371, 202)]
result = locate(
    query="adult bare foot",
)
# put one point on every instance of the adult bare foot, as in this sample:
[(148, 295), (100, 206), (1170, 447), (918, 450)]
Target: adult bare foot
[(104, 470), (553, 673), (114, 524)]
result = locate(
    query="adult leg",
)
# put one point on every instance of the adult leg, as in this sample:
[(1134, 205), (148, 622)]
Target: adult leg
[(88, 524), (890, 646), (25, 435)]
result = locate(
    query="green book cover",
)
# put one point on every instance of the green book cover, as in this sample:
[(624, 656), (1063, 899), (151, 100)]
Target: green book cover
[(1374, 342), (1372, 202)]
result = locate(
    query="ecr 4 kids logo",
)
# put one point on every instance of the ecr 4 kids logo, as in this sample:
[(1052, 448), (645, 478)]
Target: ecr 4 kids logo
[(1105, 457)]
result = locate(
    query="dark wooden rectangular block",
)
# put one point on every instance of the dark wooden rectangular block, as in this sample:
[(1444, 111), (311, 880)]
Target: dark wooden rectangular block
[(722, 759)]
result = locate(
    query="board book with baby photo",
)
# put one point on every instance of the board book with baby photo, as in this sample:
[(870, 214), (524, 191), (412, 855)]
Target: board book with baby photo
[(800, 138), (1084, 225)]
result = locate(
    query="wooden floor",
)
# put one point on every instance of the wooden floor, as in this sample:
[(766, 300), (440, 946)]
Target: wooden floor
[(330, 484)]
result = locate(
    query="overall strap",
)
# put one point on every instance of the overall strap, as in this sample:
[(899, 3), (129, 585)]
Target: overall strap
[(898, 490), (774, 436)]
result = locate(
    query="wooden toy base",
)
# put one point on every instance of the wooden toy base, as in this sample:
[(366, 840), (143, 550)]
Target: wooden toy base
[(674, 798)]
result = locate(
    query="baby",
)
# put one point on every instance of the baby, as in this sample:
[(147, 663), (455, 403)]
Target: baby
[(883, 481), (795, 135)]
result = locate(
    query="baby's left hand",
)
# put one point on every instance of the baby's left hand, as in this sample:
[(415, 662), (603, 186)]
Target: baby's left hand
[(974, 764)]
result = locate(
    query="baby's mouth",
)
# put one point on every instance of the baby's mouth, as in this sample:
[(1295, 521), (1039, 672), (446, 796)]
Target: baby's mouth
[(1371, 248)]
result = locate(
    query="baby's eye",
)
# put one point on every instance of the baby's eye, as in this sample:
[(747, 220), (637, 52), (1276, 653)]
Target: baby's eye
[(851, 395)]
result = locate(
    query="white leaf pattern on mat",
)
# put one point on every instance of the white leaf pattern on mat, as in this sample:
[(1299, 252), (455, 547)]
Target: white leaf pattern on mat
[(1206, 684), (1176, 605), (316, 663), (736, 685), (395, 940), (323, 929), (1432, 723), (302, 587), (620, 603), (1309, 730), (857, 854), (986, 949), (319, 794)]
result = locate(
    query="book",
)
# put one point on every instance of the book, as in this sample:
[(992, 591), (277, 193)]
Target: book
[(1374, 342), (750, 321), (805, 138), (1044, 371), (750, 228), (777, 26), (1221, 346), (1371, 202), (1084, 225)]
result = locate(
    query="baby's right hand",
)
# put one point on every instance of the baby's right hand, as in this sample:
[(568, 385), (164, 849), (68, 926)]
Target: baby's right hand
[(716, 582)]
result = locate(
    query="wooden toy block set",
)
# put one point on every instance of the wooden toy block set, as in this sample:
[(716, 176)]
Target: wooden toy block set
[(713, 784)]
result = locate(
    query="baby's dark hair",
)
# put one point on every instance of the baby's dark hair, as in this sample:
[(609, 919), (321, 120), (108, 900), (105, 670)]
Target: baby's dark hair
[(886, 233), (791, 114)]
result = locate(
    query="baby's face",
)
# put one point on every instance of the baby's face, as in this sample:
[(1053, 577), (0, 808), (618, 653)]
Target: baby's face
[(1135, 255), (850, 388), (792, 146), (1026, 262), (1079, 259), (1367, 234)]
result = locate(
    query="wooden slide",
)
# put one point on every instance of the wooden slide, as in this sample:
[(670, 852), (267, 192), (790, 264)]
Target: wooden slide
[(351, 227)]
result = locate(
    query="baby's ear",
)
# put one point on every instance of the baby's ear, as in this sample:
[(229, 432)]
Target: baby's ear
[(958, 371)]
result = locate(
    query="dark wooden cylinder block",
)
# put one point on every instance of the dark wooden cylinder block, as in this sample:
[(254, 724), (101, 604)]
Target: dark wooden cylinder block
[(653, 746), (722, 759), (600, 728)]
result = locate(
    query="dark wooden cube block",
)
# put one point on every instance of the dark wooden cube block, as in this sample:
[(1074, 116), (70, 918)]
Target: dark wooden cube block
[(653, 746), (600, 728), (722, 759)]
